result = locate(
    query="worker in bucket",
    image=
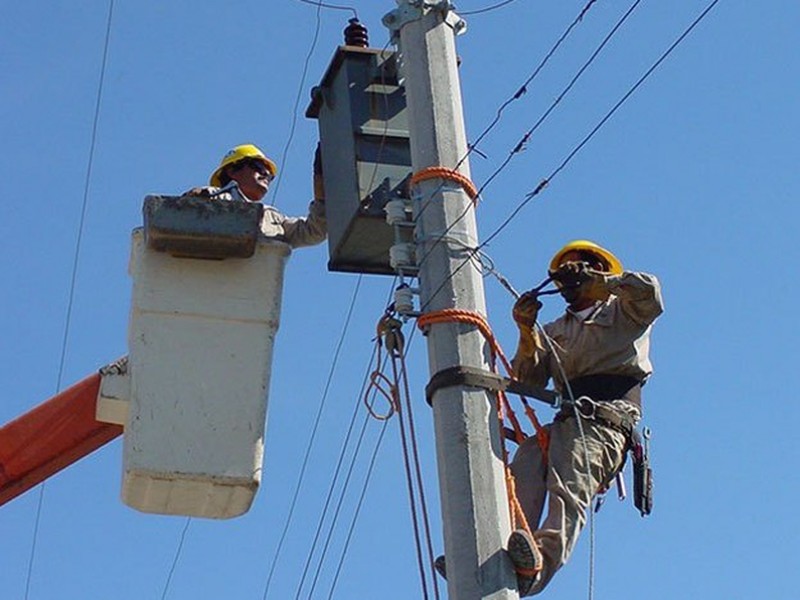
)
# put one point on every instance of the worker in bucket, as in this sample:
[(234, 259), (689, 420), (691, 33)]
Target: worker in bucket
[(596, 353), (245, 173)]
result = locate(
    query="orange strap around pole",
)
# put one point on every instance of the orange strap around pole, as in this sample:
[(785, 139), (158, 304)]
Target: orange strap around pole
[(448, 174), (450, 315)]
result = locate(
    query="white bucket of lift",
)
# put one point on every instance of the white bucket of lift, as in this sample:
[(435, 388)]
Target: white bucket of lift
[(200, 339)]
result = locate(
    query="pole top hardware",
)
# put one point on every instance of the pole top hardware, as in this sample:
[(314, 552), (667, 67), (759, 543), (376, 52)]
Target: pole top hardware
[(413, 10)]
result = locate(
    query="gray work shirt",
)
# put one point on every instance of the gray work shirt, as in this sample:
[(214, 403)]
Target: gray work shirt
[(295, 231), (614, 339)]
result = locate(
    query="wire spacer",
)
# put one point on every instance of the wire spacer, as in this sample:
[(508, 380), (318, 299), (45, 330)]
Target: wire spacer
[(450, 175)]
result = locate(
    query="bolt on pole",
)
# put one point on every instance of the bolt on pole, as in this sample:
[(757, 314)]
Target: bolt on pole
[(468, 446)]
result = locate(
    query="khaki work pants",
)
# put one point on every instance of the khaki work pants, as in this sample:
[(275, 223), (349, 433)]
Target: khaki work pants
[(566, 483)]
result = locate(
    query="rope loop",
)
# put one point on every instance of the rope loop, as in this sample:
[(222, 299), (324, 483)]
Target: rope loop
[(449, 175), (383, 385)]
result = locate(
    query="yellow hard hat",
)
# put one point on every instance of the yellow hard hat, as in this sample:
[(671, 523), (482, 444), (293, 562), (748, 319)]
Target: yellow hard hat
[(614, 264), (238, 153)]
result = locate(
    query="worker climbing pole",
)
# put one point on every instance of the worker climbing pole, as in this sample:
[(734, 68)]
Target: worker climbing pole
[(471, 471)]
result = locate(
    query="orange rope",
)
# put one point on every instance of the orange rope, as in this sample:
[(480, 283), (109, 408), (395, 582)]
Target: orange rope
[(448, 174), (450, 315)]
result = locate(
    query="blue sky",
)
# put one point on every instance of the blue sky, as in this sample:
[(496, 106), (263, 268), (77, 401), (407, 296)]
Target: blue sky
[(694, 179)]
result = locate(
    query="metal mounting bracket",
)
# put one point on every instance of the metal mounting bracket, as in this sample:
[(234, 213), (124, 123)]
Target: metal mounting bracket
[(413, 10)]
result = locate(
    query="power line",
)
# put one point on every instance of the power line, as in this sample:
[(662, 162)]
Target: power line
[(176, 558), (487, 9), (540, 187), (332, 6), (525, 138), (358, 508), (340, 501), (74, 275), (312, 437), (335, 478), (332, 487), (299, 96), (521, 91), (602, 122), (364, 487)]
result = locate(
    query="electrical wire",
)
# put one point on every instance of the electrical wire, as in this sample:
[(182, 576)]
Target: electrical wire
[(364, 487), (340, 501), (525, 138), (414, 471), (313, 435), (298, 97), (603, 121), (358, 508), (74, 275), (332, 6), (545, 182), (585, 444), (332, 487), (521, 91), (479, 11), (176, 558), (334, 480)]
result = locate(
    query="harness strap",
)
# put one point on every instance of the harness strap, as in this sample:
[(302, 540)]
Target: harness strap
[(597, 411), (602, 387)]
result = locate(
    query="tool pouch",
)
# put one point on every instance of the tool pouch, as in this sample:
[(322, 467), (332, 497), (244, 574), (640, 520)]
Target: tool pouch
[(642, 475)]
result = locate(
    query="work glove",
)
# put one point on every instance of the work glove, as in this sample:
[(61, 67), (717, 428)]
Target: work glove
[(526, 309), (319, 184), (596, 287)]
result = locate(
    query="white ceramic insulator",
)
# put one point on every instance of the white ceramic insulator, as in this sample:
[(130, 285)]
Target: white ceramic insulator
[(395, 211), (401, 255), (404, 300)]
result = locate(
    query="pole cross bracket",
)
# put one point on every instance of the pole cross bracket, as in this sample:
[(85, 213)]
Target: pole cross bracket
[(413, 10), (486, 380)]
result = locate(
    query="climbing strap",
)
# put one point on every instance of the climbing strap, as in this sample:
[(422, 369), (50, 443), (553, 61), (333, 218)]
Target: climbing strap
[(487, 380), (449, 175)]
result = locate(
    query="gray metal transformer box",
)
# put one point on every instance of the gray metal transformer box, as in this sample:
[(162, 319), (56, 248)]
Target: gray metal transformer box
[(360, 106)]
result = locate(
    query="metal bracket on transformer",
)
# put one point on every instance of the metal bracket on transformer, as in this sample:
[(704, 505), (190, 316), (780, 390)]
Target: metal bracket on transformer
[(486, 380)]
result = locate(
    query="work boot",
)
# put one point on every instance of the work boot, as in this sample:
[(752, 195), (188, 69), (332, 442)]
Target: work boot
[(527, 559), (440, 566)]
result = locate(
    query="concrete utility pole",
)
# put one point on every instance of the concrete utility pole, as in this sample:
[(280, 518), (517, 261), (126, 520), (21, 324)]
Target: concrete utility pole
[(468, 446)]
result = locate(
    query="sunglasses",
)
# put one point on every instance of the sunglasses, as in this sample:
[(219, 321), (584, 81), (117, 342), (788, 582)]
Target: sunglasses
[(257, 166)]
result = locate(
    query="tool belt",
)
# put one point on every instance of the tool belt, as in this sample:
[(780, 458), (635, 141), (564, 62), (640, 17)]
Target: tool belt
[(591, 394), (592, 410), (592, 391), (604, 388)]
